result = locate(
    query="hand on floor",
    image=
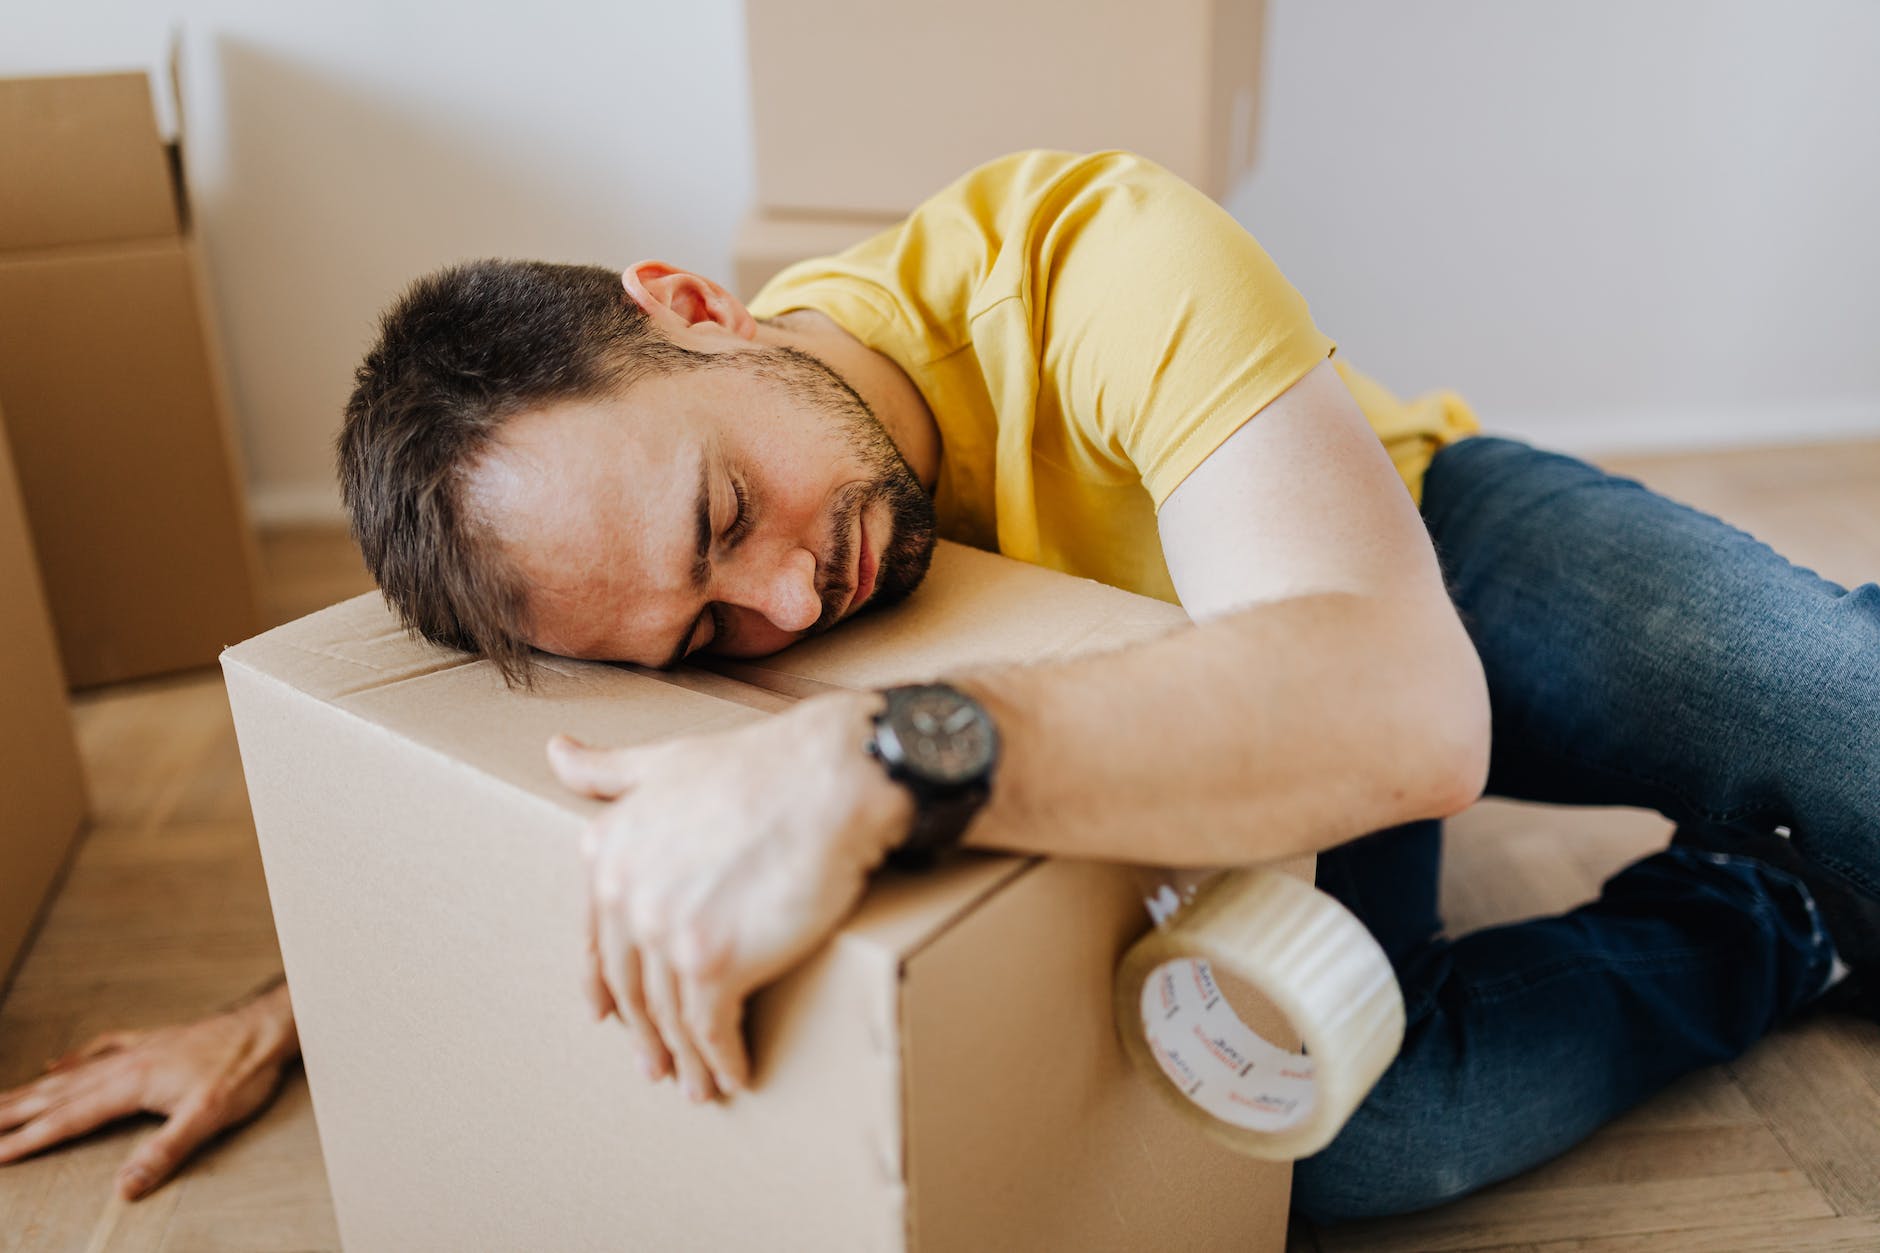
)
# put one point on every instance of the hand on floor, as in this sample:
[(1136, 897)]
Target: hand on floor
[(206, 1075)]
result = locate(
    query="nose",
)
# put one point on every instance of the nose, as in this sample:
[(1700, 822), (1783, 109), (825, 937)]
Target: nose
[(784, 591)]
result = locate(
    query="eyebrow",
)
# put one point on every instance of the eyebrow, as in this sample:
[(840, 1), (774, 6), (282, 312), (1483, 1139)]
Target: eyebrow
[(701, 562)]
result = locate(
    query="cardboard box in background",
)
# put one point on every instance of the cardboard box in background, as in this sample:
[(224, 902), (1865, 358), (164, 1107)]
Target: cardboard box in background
[(112, 380), (42, 790), (84, 162), (944, 1075), (769, 242), (864, 107)]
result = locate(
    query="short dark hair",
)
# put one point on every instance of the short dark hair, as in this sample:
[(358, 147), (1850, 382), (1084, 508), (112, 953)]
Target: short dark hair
[(461, 351)]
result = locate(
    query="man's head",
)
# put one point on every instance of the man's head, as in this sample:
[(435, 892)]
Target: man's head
[(616, 467)]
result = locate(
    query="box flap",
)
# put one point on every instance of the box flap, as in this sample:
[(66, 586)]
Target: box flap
[(84, 162), (974, 608)]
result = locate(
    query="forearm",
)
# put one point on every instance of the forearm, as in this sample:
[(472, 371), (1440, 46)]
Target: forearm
[(1285, 728)]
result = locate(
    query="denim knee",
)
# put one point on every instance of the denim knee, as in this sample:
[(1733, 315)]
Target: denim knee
[(1395, 1156), (1333, 1187), (1432, 1130), (1641, 652)]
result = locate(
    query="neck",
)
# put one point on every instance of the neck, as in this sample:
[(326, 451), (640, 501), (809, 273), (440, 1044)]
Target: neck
[(876, 378)]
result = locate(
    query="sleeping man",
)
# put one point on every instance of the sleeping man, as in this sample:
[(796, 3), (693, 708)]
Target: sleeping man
[(1081, 362)]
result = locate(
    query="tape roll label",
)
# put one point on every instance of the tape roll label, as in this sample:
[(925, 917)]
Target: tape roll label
[(1214, 1059)]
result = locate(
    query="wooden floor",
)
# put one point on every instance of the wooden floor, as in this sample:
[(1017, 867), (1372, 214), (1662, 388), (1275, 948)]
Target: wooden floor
[(164, 914)]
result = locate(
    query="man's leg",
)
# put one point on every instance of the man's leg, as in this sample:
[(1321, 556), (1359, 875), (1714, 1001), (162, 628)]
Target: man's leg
[(1638, 653)]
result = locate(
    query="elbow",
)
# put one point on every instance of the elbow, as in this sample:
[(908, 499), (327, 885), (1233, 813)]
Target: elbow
[(1442, 710), (1461, 775), (1459, 736)]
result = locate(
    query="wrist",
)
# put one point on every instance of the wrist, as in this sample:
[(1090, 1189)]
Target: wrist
[(276, 983), (881, 811), (269, 1014), (940, 746)]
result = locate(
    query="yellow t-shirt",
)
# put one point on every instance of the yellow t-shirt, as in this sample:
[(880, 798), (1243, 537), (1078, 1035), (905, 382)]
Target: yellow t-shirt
[(1086, 330)]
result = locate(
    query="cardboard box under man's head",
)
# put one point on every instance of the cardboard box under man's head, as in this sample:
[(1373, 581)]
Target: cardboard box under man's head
[(943, 1074)]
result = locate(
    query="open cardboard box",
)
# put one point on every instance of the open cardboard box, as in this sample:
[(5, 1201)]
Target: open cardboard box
[(113, 384), (862, 107), (42, 792), (944, 1074)]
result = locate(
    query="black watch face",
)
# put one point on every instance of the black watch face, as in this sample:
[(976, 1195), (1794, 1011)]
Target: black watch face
[(941, 735)]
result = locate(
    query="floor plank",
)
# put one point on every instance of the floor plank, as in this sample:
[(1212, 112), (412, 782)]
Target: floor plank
[(1817, 1235), (1501, 1217), (1808, 1085)]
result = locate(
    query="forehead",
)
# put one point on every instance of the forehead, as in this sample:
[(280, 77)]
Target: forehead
[(596, 509)]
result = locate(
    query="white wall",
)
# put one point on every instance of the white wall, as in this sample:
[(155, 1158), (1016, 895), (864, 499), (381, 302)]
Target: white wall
[(1614, 224), (1617, 224)]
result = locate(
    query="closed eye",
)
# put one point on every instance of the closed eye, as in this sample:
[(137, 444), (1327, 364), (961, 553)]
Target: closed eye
[(740, 525), (734, 535)]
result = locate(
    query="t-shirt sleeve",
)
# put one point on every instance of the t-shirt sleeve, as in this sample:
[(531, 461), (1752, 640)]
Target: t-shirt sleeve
[(1163, 324)]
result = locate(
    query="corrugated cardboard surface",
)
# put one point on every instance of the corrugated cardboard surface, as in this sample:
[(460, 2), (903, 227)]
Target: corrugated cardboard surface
[(81, 162), (1081, 1155), (120, 438), (42, 792), (864, 107), (427, 890)]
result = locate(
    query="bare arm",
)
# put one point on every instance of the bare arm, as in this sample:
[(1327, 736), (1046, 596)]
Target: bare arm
[(1327, 690)]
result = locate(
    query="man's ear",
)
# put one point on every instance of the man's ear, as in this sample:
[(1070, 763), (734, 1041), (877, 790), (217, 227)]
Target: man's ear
[(676, 298)]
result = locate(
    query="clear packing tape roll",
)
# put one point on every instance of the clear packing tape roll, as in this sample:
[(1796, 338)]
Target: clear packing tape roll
[(1274, 943)]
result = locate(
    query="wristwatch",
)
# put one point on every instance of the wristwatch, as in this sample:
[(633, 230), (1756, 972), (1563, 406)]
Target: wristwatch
[(941, 745)]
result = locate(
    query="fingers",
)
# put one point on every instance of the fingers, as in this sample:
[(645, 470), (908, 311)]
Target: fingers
[(713, 1017), (599, 998), (621, 969), (662, 1003), (25, 1103), (60, 1080), (208, 1075), (83, 1111), (157, 1158), (598, 772), (697, 1035), (97, 1046)]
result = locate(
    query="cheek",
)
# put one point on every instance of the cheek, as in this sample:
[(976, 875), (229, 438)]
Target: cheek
[(585, 623), (797, 496), (755, 637)]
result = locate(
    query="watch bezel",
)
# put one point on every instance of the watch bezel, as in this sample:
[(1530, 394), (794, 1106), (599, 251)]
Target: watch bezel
[(900, 750)]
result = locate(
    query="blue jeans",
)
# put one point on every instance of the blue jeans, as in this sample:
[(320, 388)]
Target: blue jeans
[(1638, 653)]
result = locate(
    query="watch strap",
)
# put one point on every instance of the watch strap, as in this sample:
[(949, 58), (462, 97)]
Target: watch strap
[(942, 812), (939, 824)]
